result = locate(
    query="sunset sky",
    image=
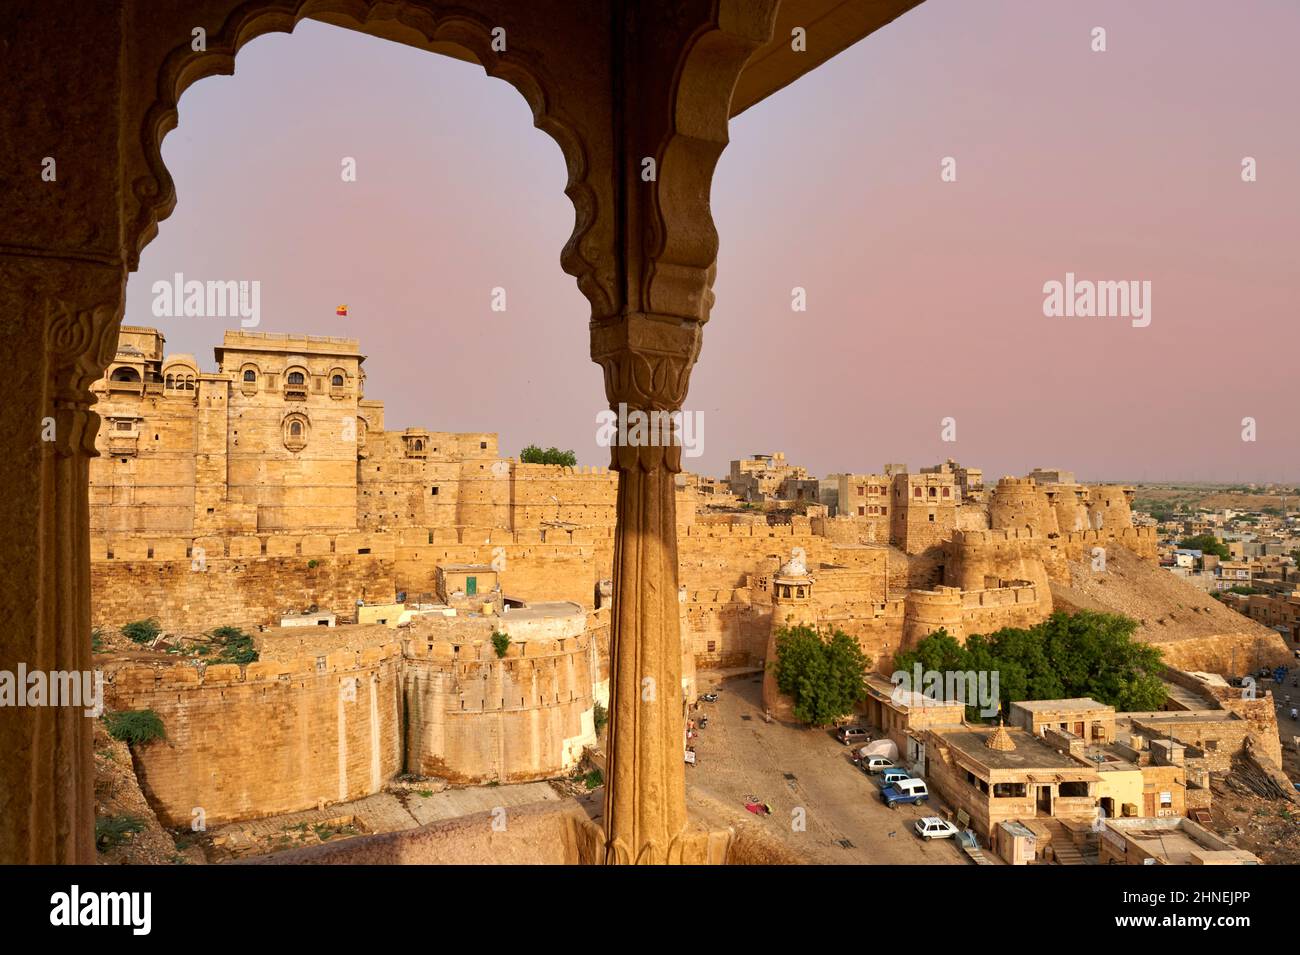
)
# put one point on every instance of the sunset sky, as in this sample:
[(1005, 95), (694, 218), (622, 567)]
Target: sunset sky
[(925, 298)]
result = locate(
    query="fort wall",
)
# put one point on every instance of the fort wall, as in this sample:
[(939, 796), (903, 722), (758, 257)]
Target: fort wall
[(473, 716), (268, 737)]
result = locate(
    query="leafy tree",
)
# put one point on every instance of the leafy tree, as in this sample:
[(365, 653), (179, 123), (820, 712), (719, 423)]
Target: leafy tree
[(535, 455), (500, 643), (938, 652), (824, 675), (1207, 544), (1063, 657)]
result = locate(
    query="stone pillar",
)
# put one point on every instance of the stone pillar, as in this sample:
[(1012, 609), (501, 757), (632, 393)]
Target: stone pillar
[(647, 363), (59, 332), (62, 278)]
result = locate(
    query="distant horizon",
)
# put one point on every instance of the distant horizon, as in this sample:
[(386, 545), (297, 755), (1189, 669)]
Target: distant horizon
[(925, 298)]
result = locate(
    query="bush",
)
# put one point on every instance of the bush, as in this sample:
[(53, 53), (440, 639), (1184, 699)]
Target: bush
[(593, 779), (142, 631), (135, 727), (234, 646), (500, 643), (112, 831), (97, 640), (601, 717)]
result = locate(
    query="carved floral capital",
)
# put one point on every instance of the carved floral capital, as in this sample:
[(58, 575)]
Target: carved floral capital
[(79, 345)]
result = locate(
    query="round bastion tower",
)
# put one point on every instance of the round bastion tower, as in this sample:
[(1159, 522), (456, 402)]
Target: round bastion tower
[(791, 607), (1020, 504)]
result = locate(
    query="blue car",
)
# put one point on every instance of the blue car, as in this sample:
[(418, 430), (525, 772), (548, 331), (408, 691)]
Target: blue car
[(891, 776), (905, 791)]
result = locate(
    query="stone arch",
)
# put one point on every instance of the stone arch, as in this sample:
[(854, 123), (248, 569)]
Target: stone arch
[(154, 192), (683, 257), (295, 430)]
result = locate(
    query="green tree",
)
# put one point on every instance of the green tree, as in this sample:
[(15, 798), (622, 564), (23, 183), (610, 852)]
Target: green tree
[(1206, 544), (1064, 657), (500, 643), (535, 455), (824, 675)]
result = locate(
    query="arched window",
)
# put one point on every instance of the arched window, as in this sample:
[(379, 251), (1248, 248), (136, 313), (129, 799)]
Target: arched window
[(126, 374), (296, 430), (171, 382), (337, 381), (295, 378), (250, 375), (419, 445)]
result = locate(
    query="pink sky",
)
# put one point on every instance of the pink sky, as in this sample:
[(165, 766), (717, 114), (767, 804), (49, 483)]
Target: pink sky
[(924, 298)]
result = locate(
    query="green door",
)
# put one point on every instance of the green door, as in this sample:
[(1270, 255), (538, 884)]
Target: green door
[(471, 586)]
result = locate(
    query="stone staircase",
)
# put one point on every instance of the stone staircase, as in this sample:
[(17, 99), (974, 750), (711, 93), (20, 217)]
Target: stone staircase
[(1064, 851)]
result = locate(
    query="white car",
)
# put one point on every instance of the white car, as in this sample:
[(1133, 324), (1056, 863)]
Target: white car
[(932, 827)]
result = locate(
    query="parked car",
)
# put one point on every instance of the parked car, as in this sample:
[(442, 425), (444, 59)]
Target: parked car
[(852, 734), (876, 764), (708, 697), (890, 776), (932, 827), (905, 791)]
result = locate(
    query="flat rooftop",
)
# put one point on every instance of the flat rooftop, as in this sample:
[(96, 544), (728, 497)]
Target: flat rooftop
[(1031, 753), (543, 611), (1079, 705)]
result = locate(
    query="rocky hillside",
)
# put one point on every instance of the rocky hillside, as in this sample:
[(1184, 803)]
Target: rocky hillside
[(1195, 630)]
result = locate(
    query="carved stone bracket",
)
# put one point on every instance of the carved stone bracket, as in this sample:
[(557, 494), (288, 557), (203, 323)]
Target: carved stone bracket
[(80, 343)]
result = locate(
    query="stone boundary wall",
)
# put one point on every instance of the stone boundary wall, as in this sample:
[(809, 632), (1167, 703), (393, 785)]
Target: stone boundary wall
[(265, 738), (472, 716)]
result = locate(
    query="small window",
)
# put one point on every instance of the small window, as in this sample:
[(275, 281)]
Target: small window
[(862, 511), (122, 425), (482, 445), (916, 492), (295, 428), (295, 378), (946, 492), (250, 375), (433, 491), (337, 381)]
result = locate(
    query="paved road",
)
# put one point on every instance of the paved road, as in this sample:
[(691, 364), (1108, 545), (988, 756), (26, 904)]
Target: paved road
[(738, 756)]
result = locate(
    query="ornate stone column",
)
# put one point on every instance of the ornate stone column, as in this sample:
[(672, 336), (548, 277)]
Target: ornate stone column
[(60, 333), (673, 69), (62, 278), (647, 363)]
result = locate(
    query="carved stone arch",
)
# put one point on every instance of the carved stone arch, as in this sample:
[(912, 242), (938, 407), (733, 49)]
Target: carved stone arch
[(295, 429), (682, 257), (154, 192)]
